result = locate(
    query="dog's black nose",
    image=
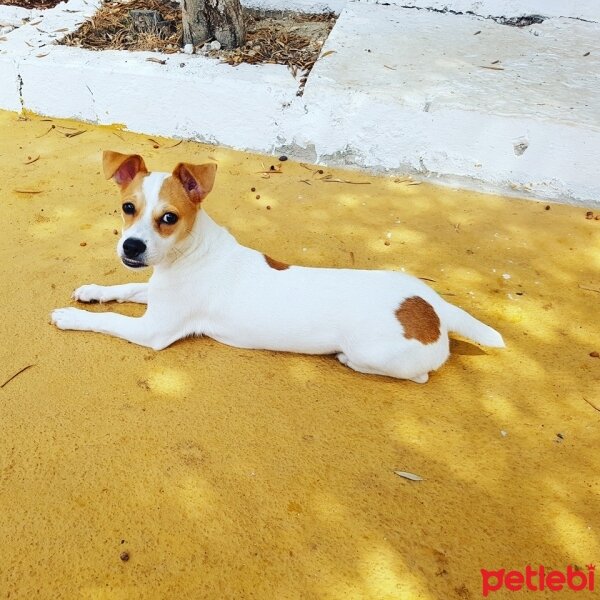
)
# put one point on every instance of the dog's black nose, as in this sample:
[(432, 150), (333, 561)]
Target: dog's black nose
[(132, 247)]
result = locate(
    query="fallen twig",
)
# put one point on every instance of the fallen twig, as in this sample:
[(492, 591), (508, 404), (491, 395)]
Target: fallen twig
[(589, 288), (31, 161), (592, 405), (46, 132), (16, 375), (28, 191), (345, 181)]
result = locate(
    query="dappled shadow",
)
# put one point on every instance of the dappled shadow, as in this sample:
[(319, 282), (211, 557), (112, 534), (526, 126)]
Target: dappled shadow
[(243, 474)]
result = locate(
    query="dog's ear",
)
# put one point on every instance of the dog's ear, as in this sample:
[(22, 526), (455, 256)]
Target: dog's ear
[(197, 180), (122, 168)]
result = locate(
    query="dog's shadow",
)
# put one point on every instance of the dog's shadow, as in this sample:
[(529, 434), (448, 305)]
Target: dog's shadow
[(464, 348)]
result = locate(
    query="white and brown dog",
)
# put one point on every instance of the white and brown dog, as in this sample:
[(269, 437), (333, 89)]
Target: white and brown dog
[(205, 283)]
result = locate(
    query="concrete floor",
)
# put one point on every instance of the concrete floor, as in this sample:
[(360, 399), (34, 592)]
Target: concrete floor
[(227, 473)]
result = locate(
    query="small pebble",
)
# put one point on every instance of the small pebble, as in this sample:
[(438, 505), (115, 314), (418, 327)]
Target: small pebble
[(188, 49), (320, 171), (283, 158), (268, 207), (155, 146), (597, 217), (115, 231), (503, 433), (387, 243), (83, 243), (124, 556), (253, 189), (258, 196), (595, 354), (272, 167), (589, 214), (216, 45), (547, 207)]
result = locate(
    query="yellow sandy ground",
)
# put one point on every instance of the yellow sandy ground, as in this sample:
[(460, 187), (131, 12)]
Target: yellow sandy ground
[(228, 473)]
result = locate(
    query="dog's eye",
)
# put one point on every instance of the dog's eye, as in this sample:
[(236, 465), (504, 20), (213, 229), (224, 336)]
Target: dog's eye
[(169, 219), (128, 208)]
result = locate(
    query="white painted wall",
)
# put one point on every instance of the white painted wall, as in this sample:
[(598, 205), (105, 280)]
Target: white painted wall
[(420, 101), (579, 9), (315, 6)]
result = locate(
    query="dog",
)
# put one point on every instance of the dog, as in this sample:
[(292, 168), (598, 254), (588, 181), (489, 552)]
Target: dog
[(205, 283)]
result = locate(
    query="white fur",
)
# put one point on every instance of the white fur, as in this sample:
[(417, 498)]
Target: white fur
[(211, 285)]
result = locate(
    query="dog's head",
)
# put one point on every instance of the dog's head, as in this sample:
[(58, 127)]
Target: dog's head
[(159, 209)]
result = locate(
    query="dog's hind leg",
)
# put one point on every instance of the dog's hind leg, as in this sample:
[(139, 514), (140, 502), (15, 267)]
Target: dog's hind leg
[(127, 292), (413, 362)]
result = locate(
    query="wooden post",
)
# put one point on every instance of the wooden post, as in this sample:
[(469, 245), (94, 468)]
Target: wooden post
[(222, 20)]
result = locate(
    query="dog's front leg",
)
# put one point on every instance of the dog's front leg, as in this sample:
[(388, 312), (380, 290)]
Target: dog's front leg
[(145, 330), (127, 292)]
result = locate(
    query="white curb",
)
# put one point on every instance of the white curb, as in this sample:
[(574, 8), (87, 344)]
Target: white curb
[(402, 90)]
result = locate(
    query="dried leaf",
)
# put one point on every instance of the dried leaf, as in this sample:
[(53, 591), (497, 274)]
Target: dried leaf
[(408, 475), (329, 179), (328, 53), (73, 134)]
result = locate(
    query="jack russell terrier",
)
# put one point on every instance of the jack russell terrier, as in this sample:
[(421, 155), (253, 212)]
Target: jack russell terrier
[(205, 283)]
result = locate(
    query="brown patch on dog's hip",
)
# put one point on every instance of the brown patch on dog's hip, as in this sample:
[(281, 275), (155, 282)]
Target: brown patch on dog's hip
[(275, 264), (419, 320)]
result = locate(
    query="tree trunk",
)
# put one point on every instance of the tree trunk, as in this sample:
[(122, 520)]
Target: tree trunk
[(222, 20)]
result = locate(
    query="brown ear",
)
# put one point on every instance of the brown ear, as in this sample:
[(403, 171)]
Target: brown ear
[(197, 180), (122, 168)]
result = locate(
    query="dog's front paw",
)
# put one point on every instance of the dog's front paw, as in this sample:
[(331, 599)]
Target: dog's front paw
[(70, 318), (89, 293)]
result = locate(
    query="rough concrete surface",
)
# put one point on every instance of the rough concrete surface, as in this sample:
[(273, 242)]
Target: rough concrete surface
[(456, 98), (227, 473)]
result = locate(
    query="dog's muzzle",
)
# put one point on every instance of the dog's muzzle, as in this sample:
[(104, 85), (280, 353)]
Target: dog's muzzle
[(133, 248)]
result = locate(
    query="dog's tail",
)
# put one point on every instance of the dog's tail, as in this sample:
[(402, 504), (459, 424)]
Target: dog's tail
[(461, 322)]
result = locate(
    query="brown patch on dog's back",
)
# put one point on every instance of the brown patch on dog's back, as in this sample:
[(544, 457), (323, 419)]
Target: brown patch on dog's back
[(275, 264), (419, 320)]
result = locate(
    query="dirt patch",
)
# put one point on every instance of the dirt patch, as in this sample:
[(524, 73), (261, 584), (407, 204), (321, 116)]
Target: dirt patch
[(111, 28), (279, 37), (39, 4)]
